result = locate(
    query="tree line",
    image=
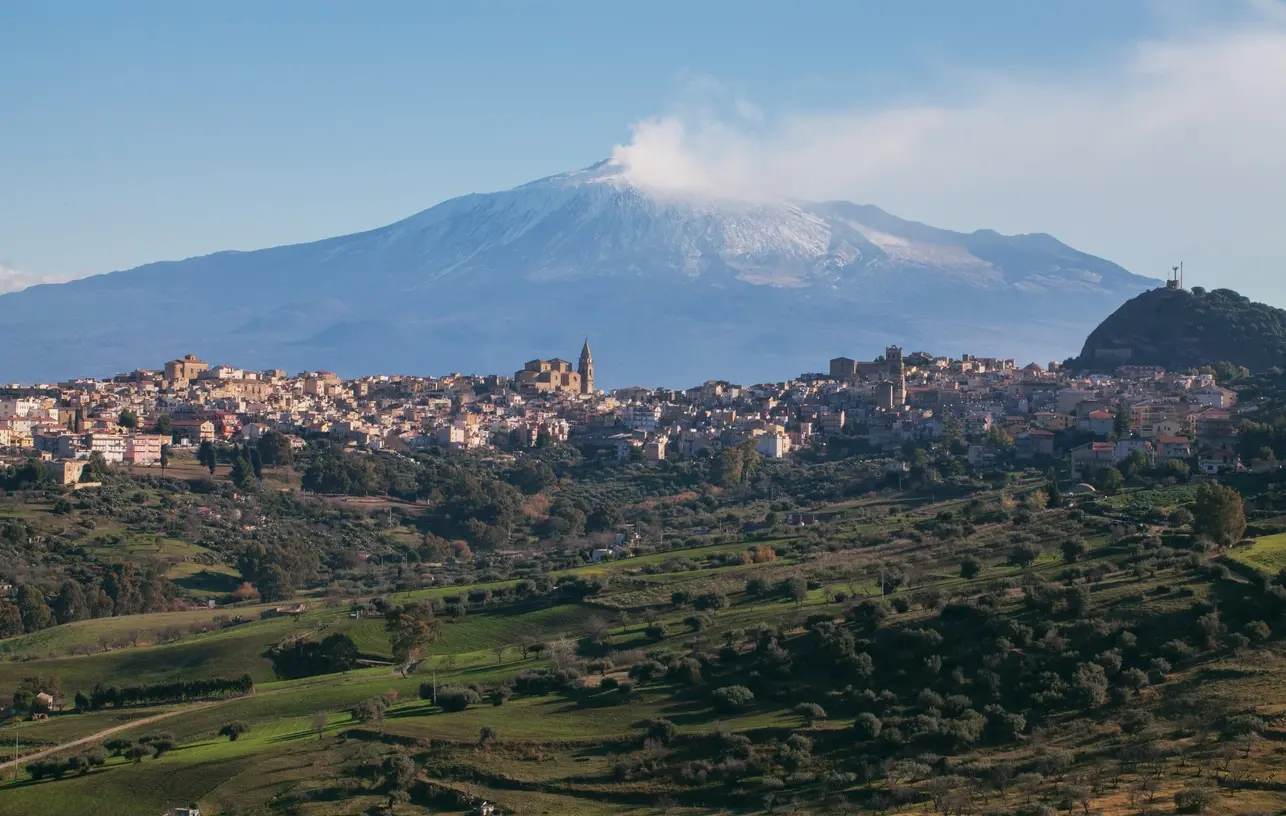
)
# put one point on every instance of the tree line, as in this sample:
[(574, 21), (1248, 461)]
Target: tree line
[(178, 691)]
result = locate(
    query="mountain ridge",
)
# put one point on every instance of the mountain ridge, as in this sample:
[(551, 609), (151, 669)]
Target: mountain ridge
[(674, 288)]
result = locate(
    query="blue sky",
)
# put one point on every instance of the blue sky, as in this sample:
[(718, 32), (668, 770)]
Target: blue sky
[(138, 131)]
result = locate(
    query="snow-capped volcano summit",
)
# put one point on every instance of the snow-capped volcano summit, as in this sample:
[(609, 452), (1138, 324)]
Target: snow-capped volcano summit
[(673, 287)]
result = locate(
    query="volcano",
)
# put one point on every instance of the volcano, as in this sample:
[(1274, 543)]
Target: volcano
[(671, 288)]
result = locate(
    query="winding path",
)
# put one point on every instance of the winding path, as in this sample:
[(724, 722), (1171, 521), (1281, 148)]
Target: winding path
[(22, 760)]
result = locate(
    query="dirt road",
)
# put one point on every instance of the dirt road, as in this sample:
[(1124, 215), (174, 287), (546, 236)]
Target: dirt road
[(23, 760)]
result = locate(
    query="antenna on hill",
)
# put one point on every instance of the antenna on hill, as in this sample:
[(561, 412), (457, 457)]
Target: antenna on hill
[(1176, 277)]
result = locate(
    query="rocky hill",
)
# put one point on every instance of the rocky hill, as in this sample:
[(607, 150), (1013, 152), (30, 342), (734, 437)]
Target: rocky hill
[(671, 289), (1178, 330)]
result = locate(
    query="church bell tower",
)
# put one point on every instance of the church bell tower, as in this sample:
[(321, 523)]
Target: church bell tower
[(586, 369)]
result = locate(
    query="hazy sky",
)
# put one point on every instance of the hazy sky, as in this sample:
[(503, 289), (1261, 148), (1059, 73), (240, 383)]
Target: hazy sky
[(1146, 132)]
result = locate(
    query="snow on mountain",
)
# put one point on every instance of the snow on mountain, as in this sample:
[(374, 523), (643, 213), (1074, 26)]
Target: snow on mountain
[(672, 287)]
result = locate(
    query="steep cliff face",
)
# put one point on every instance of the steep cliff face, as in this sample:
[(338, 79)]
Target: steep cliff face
[(1178, 329), (672, 288)]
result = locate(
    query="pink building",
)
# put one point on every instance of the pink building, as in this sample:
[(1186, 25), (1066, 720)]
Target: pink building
[(144, 449)]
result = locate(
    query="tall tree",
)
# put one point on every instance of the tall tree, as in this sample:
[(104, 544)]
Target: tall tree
[(10, 620), (121, 583), (749, 460), (128, 419), (410, 629), (1218, 512), (33, 609), (1121, 422), (726, 471), (95, 469), (70, 605), (1052, 488), (207, 456), (242, 475), (275, 449)]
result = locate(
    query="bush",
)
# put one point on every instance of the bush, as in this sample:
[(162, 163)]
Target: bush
[(499, 695), (1194, 800), (810, 712), (867, 726), (453, 698), (233, 730), (608, 683), (732, 698), (661, 730)]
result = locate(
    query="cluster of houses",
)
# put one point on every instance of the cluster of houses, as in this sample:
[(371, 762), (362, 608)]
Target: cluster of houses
[(992, 403)]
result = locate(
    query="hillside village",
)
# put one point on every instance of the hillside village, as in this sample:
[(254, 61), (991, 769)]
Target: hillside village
[(898, 585), (982, 408)]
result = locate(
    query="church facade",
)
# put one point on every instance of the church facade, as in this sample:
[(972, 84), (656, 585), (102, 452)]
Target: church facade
[(556, 375)]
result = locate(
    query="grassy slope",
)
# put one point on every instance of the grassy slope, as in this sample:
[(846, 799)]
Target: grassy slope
[(281, 754)]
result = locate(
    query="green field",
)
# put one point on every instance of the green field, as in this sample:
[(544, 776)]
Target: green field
[(1267, 555), (580, 746)]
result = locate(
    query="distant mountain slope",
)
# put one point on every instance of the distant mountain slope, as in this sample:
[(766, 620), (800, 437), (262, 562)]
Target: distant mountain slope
[(1178, 330), (671, 289)]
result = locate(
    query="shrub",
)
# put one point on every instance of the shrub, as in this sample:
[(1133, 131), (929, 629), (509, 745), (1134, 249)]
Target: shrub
[(661, 730), (117, 745), (233, 730), (732, 698), (372, 709), (534, 681), (810, 712), (1194, 800), (453, 698), (608, 683), (867, 726)]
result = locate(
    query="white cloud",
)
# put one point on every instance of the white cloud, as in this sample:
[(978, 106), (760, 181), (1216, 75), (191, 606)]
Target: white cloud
[(1175, 150), (11, 280)]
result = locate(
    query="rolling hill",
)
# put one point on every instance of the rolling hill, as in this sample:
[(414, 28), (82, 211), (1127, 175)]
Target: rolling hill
[(1177, 329)]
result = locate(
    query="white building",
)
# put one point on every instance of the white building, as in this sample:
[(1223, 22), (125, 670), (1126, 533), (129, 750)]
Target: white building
[(654, 451), (453, 436), (1215, 397), (641, 417), (774, 446), (111, 446), (17, 408)]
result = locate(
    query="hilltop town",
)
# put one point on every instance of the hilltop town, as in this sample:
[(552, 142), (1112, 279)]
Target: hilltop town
[(982, 407)]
